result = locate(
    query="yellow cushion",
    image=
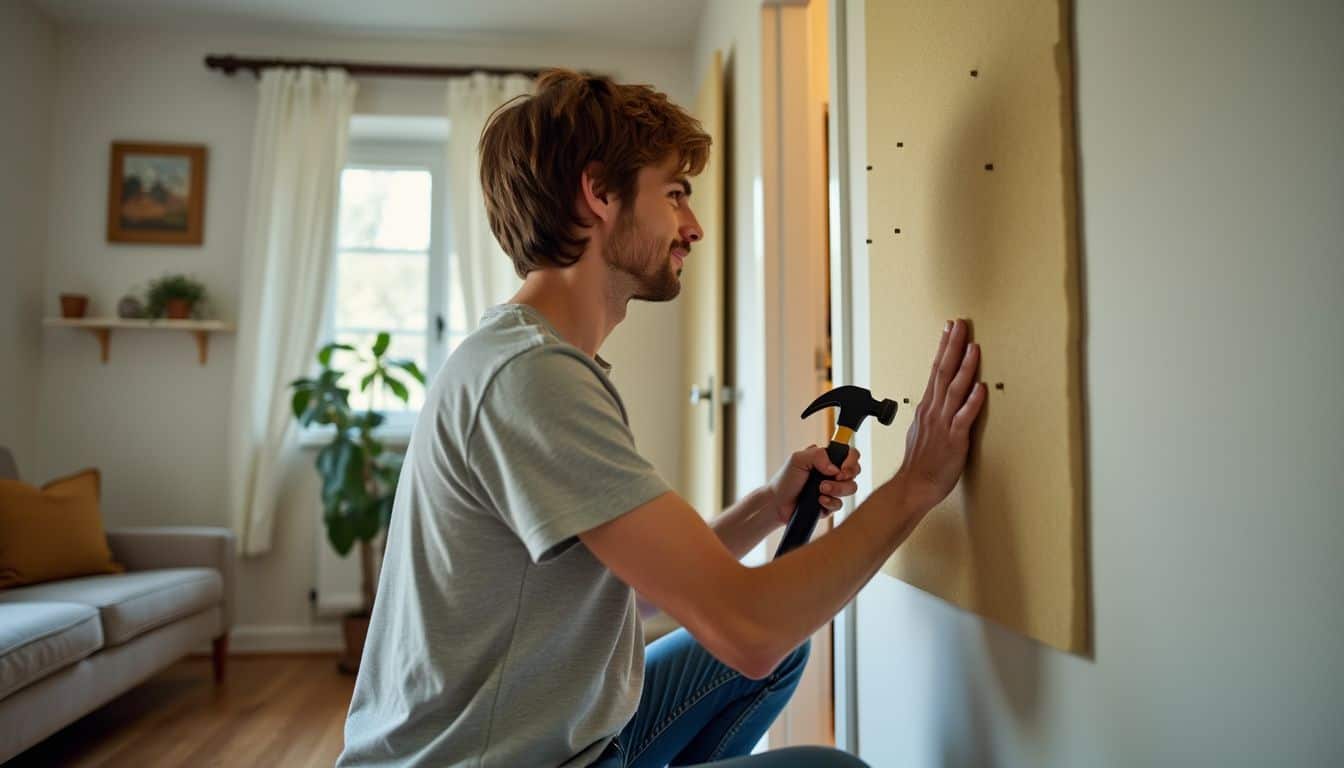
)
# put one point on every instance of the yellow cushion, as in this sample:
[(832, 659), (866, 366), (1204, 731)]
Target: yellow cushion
[(55, 532)]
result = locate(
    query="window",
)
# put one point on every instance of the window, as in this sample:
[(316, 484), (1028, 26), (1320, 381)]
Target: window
[(382, 270), (390, 270)]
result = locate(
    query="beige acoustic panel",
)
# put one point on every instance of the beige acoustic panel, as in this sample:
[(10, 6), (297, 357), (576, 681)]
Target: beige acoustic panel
[(972, 213)]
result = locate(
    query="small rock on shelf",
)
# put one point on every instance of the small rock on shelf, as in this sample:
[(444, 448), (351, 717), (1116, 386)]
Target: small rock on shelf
[(130, 307)]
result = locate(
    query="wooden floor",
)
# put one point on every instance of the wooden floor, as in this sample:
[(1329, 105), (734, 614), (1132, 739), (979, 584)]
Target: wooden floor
[(282, 710)]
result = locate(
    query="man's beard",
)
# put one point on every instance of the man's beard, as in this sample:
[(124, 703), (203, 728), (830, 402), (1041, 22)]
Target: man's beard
[(647, 261)]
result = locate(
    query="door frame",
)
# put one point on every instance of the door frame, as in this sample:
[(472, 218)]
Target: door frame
[(847, 182), (794, 208)]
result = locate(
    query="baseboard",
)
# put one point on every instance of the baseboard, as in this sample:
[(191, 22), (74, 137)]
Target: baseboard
[(337, 604), (285, 639)]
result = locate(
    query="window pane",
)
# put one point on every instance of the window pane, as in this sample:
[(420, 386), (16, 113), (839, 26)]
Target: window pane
[(406, 346), (382, 291), (385, 209)]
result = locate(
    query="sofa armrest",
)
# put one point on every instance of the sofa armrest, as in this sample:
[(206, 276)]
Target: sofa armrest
[(142, 549)]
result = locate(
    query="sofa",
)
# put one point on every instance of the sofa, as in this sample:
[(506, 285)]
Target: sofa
[(69, 646)]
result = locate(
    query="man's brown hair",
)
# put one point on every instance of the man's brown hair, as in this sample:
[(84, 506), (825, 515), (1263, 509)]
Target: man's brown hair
[(535, 148)]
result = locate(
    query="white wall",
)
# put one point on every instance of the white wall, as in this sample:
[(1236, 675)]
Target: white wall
[(154, 420), (1212, 181), (25, 78)]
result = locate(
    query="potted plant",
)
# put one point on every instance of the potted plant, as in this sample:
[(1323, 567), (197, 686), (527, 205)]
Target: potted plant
[(174, 296), (74, 305), (359, 475)]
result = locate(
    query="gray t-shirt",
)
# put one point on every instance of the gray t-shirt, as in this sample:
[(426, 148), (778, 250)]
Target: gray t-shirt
[(497, 639)]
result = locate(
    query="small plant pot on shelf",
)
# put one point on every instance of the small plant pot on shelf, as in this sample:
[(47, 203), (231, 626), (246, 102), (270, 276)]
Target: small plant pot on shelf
[(74, 305), (174, 297), (178, 309)]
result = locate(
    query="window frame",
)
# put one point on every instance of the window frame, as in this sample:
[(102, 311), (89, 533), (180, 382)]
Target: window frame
[(418, 154)]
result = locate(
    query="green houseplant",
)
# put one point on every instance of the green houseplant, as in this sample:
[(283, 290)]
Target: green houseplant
[(359, 474), (173, 296)]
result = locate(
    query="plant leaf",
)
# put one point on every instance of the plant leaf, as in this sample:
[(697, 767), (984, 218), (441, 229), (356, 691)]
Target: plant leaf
[(410, 367), (353, 489), (324, 354), (340, 532), (380, 346), (329, 468), (367, 380), (397, 388), (333, 460), (367, 521), (299, 403)]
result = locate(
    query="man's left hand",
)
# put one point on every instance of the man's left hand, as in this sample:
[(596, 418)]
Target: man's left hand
[(790, 479)]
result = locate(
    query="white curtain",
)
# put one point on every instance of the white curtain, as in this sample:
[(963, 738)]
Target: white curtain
[(298, 151), (484, 272)]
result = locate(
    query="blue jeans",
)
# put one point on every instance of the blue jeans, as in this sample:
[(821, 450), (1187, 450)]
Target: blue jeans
[(694, 710)]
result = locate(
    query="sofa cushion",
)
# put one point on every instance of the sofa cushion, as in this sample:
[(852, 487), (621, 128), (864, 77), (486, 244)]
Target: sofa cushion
[(37, 639), (131, 603), (55, 532)]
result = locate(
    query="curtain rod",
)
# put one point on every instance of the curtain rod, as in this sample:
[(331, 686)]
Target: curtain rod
[(228, 64)]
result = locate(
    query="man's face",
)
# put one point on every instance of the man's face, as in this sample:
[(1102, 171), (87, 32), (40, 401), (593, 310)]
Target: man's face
[(652, 236)]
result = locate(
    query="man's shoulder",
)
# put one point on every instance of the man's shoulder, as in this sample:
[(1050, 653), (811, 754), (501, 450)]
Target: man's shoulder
[(511, 356), (499, 338), (513, 349)]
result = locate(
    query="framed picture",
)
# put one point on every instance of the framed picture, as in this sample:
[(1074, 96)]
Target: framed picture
[(156, 193)]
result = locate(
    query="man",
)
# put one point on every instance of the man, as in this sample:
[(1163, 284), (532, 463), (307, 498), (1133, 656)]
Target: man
[(505, 630)]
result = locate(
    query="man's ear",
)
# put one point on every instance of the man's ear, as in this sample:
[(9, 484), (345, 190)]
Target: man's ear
[(594, 195)]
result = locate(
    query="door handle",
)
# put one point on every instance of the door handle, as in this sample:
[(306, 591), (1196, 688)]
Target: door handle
[(705, 395)]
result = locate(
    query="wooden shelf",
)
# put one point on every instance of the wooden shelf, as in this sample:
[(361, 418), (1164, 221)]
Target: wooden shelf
[(102, 327)]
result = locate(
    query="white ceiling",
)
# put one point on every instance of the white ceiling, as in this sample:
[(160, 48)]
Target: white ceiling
[(628, 23)]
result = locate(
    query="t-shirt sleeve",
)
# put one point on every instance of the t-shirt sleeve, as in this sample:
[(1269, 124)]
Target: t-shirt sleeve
[(552, 453)]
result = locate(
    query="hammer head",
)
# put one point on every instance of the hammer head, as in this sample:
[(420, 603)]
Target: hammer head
[(856, 404)]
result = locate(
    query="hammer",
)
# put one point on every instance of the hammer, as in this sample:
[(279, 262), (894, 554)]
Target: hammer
[(856, 404)]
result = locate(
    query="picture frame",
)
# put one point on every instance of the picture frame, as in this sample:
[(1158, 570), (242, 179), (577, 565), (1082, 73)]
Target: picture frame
[(156, 193)]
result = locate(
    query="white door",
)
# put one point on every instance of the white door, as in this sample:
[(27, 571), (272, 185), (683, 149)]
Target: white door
[(703, 294)]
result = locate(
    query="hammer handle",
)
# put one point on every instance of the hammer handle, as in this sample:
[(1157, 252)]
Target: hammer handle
[(808, 509)]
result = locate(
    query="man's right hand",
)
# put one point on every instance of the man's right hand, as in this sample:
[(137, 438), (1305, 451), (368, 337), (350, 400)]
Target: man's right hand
[(940, 436)]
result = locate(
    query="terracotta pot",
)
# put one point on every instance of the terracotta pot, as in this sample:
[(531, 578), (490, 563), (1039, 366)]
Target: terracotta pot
[(74, 304), (355, 626), (178, 309)]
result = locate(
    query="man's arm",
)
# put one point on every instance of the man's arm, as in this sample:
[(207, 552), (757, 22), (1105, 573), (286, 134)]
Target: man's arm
[(750, 618), (742, 526)]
